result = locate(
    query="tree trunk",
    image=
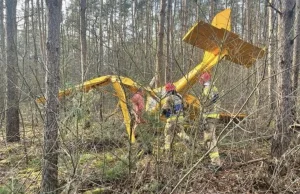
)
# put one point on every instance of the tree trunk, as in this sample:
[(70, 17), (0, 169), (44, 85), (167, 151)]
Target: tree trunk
[(281, 139), (212, 9), (270, 57), (168, 66), (12, 111), (159, 70), (25, 29), (40, 14), (184, 19), (296, 57), (35, 54), (83, 38), (248, 25), (2, 63), (50, 168), (101, 60), (133, 17), (35, 59)]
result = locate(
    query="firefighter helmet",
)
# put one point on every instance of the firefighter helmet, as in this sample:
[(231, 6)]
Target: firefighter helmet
[(205, 77), (170, 87)]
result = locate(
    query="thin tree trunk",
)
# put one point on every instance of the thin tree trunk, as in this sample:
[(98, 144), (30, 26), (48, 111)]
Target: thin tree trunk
[(270, 56), (284, 118), (2, 63), (159, 70), (12, 111), (35, 64), (41, 28), (35, 54), (44, 28), (169, 51), (51, 146), (148, 25), (25, 28), (212, 9), (248, 14), (101, 60), (101, 48), (243, 13), (184, 13), (83, 38), (133, 17), (296, 57)]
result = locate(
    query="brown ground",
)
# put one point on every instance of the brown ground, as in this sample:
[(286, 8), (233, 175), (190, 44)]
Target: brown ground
[(102, 167)]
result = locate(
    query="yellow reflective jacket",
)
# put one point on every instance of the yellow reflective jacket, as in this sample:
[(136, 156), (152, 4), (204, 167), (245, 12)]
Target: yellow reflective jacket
[(210, 94), (174, 106)]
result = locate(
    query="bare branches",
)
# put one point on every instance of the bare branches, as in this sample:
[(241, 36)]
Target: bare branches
[(273, 7)]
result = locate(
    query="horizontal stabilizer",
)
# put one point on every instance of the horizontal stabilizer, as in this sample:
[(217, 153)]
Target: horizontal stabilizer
[(215, 40)]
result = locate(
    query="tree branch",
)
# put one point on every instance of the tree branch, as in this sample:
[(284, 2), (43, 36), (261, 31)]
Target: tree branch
[(273, 7), (249, 162)]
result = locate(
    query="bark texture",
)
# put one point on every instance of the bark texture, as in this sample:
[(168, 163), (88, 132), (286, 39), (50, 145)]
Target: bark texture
[(51, 144), (12, 103)]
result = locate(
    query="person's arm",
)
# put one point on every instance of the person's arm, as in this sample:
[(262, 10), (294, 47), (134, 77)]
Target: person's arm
[(211, 95), (166, 108), (214, 95)]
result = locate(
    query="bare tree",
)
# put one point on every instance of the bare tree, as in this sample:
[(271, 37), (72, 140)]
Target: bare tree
[(51, 146), (40, 10), (83, 38), (248, 26), (159, 70), (35, 55), (296, 55), (281, 139), (12, 111), (2, 62), (101, 46), (168, 66), (270, 56)]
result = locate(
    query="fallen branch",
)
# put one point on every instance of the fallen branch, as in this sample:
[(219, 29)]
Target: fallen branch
[(249, 162)]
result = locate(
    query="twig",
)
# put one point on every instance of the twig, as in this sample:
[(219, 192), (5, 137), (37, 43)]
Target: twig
[(249, 162), (191, 169), (113, 113), (265, 138)]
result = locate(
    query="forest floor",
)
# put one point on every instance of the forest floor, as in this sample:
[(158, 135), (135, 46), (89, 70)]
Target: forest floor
[(92, 164)]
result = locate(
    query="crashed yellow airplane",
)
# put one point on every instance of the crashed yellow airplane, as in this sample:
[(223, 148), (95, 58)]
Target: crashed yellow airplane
[(218, 42)]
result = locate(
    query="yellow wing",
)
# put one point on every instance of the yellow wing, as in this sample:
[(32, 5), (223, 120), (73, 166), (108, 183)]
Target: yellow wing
[(118, 82)]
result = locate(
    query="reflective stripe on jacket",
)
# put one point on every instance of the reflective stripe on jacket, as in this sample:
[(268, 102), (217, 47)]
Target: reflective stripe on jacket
[(178, 118)]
